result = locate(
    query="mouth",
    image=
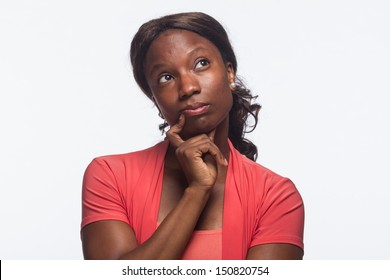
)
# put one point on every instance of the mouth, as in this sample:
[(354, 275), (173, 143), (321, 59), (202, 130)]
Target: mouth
[(195, 109)]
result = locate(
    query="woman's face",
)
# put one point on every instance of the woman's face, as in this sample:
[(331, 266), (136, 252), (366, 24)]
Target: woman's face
[(187, 75)]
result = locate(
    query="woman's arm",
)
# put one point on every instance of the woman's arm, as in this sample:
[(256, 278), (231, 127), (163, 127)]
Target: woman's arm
[(275, 252)]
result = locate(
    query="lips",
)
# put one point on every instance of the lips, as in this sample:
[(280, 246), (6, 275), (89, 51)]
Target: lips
[(195, 109)]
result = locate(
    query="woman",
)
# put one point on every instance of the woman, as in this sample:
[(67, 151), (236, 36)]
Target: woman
[(198, 194)]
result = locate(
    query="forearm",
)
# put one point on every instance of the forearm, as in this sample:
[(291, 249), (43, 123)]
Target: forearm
[(171, 237)]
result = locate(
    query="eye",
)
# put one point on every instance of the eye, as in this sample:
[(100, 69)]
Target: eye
[(164, 78), (202, 63)]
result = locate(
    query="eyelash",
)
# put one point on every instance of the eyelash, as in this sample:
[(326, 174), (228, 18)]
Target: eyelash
[(202, 60), (169, 77), (165, 76)]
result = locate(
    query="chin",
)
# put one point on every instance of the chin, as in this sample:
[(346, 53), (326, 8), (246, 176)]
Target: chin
[(191, 130), (199, 126), (186, 134)]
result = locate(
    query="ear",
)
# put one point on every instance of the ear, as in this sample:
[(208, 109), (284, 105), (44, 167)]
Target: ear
[(231, 76), (230, 72)]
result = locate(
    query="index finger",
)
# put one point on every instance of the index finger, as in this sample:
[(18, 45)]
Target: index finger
[(173, 132)]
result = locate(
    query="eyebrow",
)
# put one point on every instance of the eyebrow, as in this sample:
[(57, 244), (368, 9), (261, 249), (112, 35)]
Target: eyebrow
[(155, 67), (161, 65), (196, 50)]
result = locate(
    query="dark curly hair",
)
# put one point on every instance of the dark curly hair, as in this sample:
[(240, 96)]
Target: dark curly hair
[(209, 28)]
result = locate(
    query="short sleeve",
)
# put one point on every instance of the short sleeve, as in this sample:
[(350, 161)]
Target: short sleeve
[(280, 216), (101, 199)]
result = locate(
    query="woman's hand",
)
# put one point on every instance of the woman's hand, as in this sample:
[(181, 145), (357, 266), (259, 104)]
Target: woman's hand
[(198, 156)]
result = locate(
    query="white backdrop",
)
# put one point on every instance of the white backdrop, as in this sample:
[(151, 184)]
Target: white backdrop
[(321, 69)]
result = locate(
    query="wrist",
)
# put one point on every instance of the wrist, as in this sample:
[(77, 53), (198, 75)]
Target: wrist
[(195, 192)]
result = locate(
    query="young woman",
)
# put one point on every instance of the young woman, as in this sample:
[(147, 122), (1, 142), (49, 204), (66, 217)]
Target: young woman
[(198, 194)]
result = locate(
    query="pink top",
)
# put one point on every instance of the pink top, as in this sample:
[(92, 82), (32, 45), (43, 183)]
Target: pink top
[(260, 206), (204, 245)]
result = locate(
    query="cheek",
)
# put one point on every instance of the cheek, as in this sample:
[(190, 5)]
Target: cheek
[(220, 88), (228, 102), (217, 82), (225, 96), (166, 108)]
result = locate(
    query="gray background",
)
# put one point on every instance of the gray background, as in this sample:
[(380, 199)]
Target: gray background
[(321, 69)]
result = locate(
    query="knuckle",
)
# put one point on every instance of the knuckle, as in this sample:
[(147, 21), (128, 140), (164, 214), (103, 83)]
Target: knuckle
[(186, 152), (209, 145), (180, 151)]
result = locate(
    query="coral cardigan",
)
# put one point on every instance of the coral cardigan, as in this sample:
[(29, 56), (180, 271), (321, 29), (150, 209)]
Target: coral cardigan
[(260, 206)]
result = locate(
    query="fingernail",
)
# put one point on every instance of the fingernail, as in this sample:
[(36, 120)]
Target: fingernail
[(226, 162)]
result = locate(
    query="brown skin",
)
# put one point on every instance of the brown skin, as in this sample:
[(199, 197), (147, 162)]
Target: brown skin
[(183, 69)]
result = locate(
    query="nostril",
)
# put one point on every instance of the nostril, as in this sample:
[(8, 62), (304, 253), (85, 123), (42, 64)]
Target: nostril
[(189, 86), (187, 94)]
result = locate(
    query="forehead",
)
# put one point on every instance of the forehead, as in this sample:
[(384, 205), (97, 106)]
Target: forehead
[(172, 42)]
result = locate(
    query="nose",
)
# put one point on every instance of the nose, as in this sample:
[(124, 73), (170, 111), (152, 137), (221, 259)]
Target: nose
[(189, 85)]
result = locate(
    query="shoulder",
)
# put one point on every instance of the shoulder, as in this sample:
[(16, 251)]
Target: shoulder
[(264, 183), (275, 205), (130, 160), (274, 190), (261, 174), (122, 169), (251, 171), (109, 175)]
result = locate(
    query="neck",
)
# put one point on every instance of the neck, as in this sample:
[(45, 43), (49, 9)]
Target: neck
[(221, 137)]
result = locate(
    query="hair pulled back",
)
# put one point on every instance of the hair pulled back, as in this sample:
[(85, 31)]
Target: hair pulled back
[(209, 28)]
